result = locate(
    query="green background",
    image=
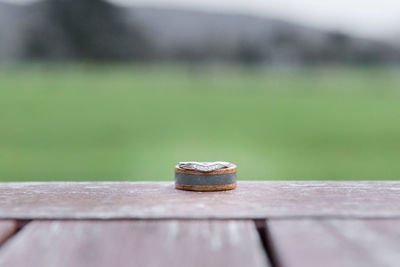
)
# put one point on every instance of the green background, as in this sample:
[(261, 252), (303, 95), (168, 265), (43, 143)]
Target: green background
[(135, 122)]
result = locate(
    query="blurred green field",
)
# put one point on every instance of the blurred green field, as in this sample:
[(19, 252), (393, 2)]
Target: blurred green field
[(124, 122)]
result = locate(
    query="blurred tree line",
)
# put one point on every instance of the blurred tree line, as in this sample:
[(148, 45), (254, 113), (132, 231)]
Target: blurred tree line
[(85, 30), (99, 30)]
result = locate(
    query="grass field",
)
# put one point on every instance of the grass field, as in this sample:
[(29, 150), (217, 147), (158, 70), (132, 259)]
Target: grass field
[(82, 122)]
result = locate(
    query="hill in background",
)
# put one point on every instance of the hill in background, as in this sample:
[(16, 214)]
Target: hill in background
[(98, 30)]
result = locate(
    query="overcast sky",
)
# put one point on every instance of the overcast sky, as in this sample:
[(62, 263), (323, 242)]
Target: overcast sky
[(371, 18)]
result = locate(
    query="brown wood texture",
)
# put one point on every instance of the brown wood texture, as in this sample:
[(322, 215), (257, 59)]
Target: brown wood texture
[(206, 187), (332, 243), (135, 243), (120, 200), (7, 229)]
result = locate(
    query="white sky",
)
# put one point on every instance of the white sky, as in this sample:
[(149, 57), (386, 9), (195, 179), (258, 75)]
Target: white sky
[(370, 18)]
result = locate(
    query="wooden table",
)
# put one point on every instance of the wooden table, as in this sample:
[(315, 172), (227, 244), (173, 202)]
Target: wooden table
[(281, 224)]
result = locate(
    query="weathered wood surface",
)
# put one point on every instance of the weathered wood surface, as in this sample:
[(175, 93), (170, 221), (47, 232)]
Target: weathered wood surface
[(345, 243), (161, 200), (7, 228), (135, 243)]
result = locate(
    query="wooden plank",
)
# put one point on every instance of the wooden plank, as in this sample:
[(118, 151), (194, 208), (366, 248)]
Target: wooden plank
[(7, 229), (135, 243), (345, 243), (97, 200)]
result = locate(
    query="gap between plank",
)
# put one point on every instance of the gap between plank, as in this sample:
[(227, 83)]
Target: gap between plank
[(290, 218), (19, 224), (262, 229)]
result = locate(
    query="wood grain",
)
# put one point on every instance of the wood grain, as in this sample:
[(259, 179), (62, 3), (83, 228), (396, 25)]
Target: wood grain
[(135, 243), (345, 243), (119, 200), (7, 229)]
